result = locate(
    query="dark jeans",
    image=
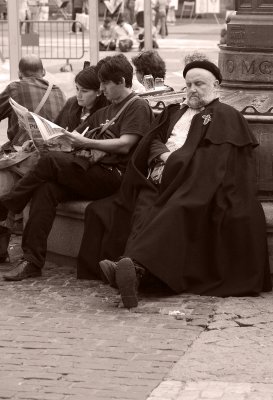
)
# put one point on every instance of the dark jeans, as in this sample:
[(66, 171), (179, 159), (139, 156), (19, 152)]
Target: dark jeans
[(56, 177)]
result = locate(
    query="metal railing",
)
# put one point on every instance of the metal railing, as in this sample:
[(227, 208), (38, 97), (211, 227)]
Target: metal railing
[(48, 39)]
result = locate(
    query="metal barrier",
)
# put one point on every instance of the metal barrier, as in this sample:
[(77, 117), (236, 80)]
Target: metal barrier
[(4, 40), (48, 39)]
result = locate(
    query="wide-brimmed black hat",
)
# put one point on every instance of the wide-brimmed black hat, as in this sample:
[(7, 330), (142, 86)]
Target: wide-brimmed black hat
[(204, 64)]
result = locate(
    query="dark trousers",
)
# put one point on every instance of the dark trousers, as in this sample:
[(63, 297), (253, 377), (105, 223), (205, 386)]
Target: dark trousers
[(97, 219), (57, 177)]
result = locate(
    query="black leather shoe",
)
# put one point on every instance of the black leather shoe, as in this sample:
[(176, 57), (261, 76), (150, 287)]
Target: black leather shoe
[(128, 276), (108, 269), (23, 270)]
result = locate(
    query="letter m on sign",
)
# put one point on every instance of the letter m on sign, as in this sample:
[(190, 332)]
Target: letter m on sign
[(248, 67)]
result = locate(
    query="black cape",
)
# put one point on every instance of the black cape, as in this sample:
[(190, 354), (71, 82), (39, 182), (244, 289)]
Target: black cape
[(202, 230)]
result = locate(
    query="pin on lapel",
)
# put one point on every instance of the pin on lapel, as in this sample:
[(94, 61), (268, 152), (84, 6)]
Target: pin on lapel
[(206, 118)]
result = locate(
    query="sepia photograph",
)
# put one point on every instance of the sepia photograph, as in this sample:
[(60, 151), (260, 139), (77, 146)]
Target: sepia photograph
[(136, 199)]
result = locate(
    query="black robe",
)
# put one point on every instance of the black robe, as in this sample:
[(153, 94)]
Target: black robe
[(202, 230)]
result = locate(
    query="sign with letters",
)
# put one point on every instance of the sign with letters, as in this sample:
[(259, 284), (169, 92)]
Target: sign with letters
[(207, 6)]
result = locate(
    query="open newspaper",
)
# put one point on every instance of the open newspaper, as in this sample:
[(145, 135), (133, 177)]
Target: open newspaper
[(41, 131)]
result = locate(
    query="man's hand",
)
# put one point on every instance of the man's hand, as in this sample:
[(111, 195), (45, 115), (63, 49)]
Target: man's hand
[(76, 139), (28, 146), (157, 172)]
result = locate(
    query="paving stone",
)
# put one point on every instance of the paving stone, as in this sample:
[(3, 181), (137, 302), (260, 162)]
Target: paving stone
[(260, 396), (189, 395), (222, 324), (212, 394), (234, 396), (167, 390), (67, 338)]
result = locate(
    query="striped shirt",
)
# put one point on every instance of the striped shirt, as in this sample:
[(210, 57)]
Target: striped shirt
[(29, 92)]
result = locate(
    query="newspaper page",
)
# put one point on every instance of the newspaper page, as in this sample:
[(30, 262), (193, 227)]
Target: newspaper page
[(53, 135), (41, 131), (22, 114)]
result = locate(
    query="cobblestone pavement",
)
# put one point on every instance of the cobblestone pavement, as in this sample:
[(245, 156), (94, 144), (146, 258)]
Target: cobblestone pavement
[(231, 359), (64, 339)]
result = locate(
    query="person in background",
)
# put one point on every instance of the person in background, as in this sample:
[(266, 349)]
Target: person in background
[(187, 212), (140, 35), (24, 16), (77, 8), (149, 62), (129, 11), (35, 14), (32, 91), (141, 40), (161, 8), (89, 99), (139, 12), (28, 91), (43, 10), (124, 34), (3, 9), (107, 36), (173, 7)]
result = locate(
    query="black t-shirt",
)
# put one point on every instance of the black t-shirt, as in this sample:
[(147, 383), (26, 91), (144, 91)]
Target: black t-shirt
[(134, 120)]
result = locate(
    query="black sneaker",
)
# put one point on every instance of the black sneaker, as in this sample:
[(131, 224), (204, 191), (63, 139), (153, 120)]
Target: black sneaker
[(23, 270)]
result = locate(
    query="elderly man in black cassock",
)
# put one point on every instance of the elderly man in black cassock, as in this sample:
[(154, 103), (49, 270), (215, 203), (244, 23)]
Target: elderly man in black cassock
[(187, 211)]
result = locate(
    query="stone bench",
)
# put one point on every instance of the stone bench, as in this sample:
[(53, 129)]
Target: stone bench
[(66, 235)]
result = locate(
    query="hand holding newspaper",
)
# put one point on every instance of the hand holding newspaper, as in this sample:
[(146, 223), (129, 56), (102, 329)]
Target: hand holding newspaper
[(43, 133), (48, 136)]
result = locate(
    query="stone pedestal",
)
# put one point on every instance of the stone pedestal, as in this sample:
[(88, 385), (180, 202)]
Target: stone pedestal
[(246, 63), (243, 68)]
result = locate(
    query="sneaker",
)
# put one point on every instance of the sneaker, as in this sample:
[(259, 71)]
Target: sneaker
[(108, 269), (23, 270), (127, 282)]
